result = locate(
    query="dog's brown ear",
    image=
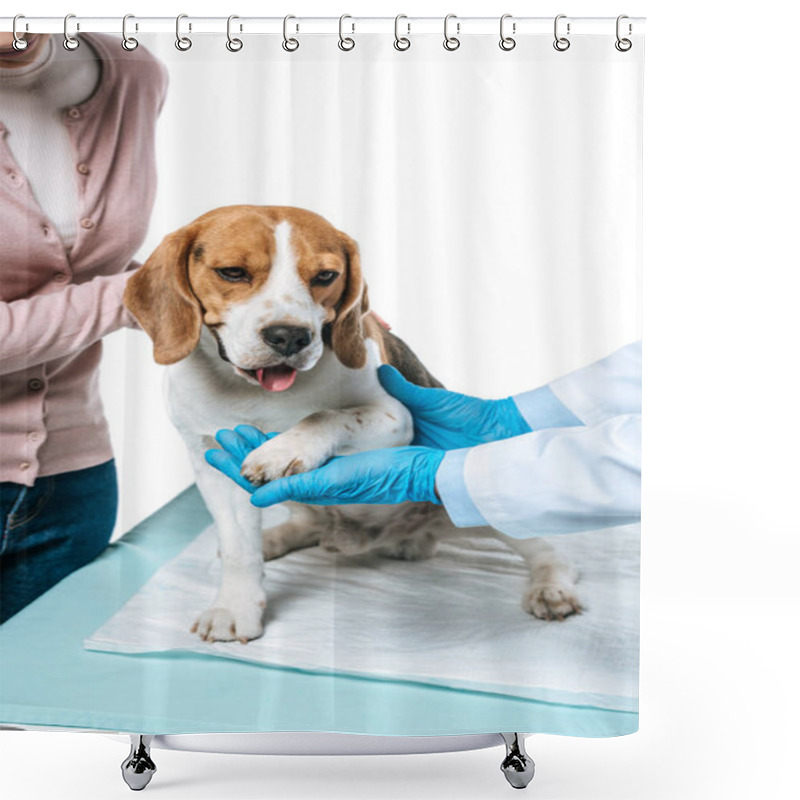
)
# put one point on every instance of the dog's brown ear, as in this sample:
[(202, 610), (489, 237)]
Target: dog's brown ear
[(347, 334), (158, 294)]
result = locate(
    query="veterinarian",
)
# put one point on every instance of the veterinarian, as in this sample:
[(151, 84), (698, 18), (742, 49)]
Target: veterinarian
[(77, 183), (559, 459)]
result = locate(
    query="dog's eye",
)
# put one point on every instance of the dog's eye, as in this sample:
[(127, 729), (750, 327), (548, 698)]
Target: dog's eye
[(324, 278), (233, 274)]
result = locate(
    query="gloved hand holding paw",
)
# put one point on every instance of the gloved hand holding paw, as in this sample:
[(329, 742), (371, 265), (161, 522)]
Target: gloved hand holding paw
[(389, 475)]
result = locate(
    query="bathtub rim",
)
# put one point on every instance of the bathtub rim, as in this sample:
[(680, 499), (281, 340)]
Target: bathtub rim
[(285, 743)]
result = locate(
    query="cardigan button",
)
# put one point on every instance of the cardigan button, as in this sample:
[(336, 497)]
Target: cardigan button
[(35, 384), (83, 169), (74, 113), (60, 277), (87, 223), (25, 465)]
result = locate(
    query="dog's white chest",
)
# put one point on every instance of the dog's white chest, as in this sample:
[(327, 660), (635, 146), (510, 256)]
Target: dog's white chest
[(203, 395)]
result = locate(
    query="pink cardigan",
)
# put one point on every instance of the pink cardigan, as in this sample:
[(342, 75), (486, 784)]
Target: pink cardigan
[(55, 309)]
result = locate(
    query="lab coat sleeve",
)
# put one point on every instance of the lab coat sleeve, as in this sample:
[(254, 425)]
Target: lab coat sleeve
[(558, 480), (607, 388)]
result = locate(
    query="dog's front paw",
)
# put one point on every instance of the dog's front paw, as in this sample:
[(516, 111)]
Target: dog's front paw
[(286, 454), (221, 624), (554, 600)]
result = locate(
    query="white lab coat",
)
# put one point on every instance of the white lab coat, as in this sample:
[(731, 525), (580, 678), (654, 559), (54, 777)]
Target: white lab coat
[(579, 469)]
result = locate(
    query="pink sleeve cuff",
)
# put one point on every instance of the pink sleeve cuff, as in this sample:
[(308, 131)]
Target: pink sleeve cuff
[(128, 320)]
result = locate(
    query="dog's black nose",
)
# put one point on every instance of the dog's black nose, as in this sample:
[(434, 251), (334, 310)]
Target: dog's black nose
[(286, 339)]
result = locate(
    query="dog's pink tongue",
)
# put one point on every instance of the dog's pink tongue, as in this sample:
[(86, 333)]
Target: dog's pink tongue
[(276, 379)]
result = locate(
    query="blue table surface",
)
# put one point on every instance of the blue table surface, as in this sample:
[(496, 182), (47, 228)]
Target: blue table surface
[(47, 678)]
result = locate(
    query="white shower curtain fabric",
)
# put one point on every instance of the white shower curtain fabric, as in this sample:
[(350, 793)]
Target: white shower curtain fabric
[(495, 197), (496, 201)]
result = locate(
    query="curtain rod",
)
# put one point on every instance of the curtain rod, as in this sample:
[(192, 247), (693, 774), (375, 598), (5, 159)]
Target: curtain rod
[(321, 25)]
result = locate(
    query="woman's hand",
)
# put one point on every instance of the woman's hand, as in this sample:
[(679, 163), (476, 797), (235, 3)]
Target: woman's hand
[(390, 475), (448, 420)]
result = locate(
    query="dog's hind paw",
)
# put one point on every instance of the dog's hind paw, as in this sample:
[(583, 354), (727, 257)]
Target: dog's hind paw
[(552, 601), (286, 538), (410, 548)]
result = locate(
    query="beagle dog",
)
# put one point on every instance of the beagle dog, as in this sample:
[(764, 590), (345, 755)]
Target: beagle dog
[(261, 313)]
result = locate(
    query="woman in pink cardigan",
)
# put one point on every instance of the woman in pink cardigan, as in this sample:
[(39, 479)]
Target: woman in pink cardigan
[(77, 182)]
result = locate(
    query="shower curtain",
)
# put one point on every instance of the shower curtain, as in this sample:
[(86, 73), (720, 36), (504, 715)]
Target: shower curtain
[(494, 197)]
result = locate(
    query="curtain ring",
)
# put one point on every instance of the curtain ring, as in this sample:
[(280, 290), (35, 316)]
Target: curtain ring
[(234, 45), (289, 44), (623, 45), (128, 42), (401, 43), (561, 43), (506, 42), (451, 42), (19, 43), (183, 43), (346, 43), (70, 42)]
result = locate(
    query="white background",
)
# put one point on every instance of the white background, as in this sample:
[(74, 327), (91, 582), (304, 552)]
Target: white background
[(719, 693)]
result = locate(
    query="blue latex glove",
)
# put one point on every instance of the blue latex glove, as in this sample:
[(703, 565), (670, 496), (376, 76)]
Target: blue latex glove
[(448, 420), (389, 475), (237, 445)]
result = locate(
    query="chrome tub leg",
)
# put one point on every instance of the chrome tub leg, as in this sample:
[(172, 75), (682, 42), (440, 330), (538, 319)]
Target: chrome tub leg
[(517, 766), (138, 768)]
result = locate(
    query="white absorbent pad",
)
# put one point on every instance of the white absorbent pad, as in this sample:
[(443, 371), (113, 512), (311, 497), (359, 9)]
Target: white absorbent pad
[(454, 620)]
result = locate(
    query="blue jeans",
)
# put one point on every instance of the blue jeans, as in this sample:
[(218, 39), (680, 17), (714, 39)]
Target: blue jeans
[(51, 529)]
